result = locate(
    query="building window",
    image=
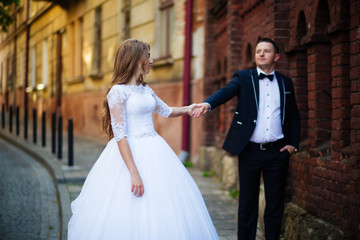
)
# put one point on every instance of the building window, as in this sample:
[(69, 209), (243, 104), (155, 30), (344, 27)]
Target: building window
[(79, 42), (96, 59), (76, 49), (126, 11), (72, 48), (166, 27), (33, 66), (249, 53), (8, 74), (21, 68), (45, 62)]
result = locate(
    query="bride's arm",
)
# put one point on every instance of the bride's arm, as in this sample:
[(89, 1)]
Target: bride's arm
[(137, 186), (179, 111), (117, 107), (164, 110)]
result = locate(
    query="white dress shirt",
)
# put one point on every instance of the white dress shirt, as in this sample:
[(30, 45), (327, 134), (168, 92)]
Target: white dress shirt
[(268, 124)]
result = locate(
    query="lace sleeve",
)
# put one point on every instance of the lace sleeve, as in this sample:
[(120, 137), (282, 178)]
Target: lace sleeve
[(116, 100), (161, 107)]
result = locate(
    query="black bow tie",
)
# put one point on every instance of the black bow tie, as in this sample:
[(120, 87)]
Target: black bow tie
[(270, 76)]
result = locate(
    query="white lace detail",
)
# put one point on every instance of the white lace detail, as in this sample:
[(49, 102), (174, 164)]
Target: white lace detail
[(119, 128), (131, 109), (161, 108), (116, 100)]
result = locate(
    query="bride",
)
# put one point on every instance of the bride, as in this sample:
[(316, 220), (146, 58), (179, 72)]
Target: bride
[(138, 189)]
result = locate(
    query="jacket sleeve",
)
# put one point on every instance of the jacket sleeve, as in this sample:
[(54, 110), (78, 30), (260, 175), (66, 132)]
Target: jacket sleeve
[(225, 94)]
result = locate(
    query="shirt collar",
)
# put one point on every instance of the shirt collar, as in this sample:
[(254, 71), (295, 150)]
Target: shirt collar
[(261, 71)]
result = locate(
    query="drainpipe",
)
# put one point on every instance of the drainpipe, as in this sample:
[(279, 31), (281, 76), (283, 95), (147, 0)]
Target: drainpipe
[(58, 93), (184, 154)]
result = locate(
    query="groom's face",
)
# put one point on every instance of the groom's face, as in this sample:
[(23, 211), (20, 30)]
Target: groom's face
[(265, 54)]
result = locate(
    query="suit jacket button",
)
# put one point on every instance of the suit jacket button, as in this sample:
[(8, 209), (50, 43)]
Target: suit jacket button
[(236, 112), (255, 121), (239, 122)]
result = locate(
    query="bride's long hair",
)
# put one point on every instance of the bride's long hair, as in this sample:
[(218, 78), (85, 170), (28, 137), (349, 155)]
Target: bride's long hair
[(130, 54)]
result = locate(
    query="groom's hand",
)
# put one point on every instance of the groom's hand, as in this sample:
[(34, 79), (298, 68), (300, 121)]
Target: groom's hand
[(289, 148), (200, 110)]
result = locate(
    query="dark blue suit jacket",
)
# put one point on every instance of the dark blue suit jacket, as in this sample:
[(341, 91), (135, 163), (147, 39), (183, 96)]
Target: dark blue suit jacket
[(245, 85)]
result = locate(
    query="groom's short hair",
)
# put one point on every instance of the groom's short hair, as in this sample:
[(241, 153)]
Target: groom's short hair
[(276, 48)]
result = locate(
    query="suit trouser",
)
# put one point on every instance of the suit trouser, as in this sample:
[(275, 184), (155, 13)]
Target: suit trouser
[(273, 164)]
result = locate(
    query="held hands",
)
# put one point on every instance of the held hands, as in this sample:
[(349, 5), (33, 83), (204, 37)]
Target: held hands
[(137, 186), (194, 110), (190, 108), (199, 110)]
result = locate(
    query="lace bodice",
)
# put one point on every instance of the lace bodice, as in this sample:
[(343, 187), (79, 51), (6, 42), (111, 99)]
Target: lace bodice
[(131, 109)]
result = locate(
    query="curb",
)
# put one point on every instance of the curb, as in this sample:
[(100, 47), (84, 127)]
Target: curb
[(54, 168)]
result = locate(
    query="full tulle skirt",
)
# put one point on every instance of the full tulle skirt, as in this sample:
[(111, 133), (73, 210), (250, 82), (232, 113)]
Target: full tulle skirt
[(172, 206)]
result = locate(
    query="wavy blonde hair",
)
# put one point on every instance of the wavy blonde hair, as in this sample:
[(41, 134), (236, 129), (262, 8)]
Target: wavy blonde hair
[(130, 54)]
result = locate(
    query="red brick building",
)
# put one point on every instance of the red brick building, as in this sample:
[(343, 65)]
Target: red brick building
[(319, 42)]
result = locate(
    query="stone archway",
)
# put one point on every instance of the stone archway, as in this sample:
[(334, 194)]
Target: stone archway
[(319, 79), (300, 75)]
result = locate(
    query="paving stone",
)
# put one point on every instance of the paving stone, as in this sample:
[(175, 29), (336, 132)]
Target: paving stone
[(28, 200), (222, 208)]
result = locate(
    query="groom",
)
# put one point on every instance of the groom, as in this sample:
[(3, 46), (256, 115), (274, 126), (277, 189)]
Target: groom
[(263, 134)]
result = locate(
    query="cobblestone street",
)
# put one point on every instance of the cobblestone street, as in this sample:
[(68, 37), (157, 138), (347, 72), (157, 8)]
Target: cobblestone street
[(28, 201), (69, 181)]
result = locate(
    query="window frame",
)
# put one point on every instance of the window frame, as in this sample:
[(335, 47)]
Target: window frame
[(97, 42), (166, 7)]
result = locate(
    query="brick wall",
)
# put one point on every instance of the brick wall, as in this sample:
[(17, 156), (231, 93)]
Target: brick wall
[(320, 49), (323, 178), (354, 198), (216, 57)]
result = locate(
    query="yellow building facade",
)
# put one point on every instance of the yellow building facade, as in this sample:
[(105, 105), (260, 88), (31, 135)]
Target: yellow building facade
[(58, 57)]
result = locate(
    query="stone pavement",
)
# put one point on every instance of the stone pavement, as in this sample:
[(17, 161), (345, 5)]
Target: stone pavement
[(69, 180), (29, 206)]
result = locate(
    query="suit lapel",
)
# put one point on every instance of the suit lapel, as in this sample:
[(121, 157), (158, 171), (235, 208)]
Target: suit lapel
[(280, 81), (255, 79)]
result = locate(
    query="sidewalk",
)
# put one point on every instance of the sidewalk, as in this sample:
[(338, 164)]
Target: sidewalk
[(69, 180)]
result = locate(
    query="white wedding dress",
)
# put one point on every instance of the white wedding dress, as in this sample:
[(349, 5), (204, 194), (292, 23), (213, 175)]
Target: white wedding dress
[(172, 207)]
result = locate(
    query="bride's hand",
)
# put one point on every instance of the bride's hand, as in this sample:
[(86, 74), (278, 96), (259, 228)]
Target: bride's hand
[(191, 109), (137, 186)]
